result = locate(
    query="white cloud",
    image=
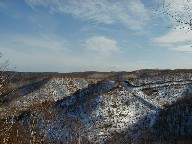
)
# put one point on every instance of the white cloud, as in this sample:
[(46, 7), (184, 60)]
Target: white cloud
[(183, 48), (131, 13), (101, 45), (176, 40), (174, 37)]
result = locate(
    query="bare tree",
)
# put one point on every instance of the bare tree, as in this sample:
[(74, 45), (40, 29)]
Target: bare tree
[(179, 11), (7, 74), (7, 123), (4, 76)]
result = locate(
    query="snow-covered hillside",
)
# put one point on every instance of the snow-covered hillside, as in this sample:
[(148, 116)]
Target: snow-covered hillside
[(109, 110)]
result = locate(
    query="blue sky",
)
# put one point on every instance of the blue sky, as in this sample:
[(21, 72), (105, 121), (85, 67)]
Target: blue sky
[(86, 35)]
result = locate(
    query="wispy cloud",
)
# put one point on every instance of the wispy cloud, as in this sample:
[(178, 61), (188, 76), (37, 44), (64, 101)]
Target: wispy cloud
[(131, 13), (177, 40), (174, 37), (183, 48), (101, 45), (34, 44)]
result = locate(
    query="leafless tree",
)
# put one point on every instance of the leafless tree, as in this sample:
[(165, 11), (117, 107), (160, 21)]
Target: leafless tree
[(4, 76), (180, 11)]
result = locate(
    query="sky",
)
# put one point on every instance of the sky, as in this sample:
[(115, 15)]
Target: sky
[(95, 35)]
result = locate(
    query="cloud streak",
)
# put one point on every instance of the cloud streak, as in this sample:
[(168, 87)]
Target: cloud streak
[(174, 37), (43, 43), (183, 48), (175, 40), (131, 13), (102, 45)]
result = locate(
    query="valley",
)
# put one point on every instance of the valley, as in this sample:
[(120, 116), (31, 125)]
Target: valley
[(145, 106)]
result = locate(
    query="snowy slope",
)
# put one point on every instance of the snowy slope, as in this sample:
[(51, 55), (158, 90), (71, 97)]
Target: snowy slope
[(108, 110)]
